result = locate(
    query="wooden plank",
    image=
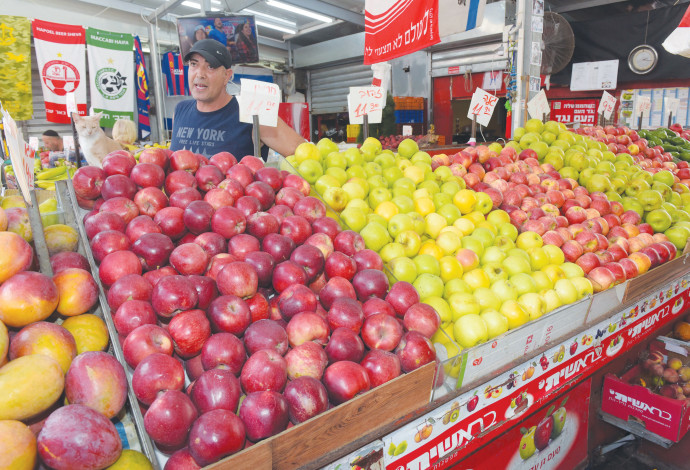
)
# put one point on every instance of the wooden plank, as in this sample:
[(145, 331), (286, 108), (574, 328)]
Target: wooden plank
[(353, 419), (256, 457)]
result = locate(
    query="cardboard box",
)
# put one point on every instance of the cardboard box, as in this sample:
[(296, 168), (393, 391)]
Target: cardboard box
[(665, 417)]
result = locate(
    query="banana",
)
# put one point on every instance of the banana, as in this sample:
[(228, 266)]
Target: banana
[(50, 185), (52, 173)]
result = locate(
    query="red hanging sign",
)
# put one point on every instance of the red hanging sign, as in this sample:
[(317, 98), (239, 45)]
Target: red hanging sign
[(394, 28)]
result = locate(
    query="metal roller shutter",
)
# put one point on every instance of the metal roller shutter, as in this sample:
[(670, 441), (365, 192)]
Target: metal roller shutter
[(475, 58), (328, 87)]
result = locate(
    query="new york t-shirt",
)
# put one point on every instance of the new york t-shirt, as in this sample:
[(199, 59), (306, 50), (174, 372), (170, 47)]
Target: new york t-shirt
[(208, 133)]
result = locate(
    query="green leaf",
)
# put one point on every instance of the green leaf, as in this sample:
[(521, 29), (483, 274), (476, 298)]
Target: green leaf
[(431, 420), (523, 430), (565, 400), (551, 410)]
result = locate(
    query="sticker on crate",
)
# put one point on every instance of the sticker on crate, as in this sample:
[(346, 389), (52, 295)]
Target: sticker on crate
[(369, 457)]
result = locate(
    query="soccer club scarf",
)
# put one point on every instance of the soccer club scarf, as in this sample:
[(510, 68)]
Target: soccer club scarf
[(15, 66), (175, 73), (111, 66), (143, 102), (61, 65)]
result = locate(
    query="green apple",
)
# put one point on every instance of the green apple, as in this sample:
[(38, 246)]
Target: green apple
[(613, 196), (569, 172), (338, 173), (431, 186), (310, 170), (532, 304), (484, 235), (508, 230), (504, 243), (354, 190), (354, 218), (558, 422), (403, 269), (566, 291), (555, 159), (326, 147), (450, 187), (678, 235), (538, 257), (371, 217), (399, 191), (433, 224), (448, 211), (487, 299), (551, 300), (463, 303), (528, 240), (377, 181), (470, 330), (411, 242), (523, 283), (373, 169), (449, 242), (359, 204), (385, 160), (443, 173), (516, 264), (542, 281), (518, 252), (335, 160), (496, 324), (336, 197), (473, 244), (441, 306), (419, 223), (456, 286), (392, 174), (504, 290), (572, 270), (583, 286), (404, 204), (633, 204), (598, 183), (400, 223), (556, 255), (442, 199), (427, 264), (356, 172), (326, 181), (353, 157), (484, 203), (492, 254), (450, 268), (391, 251), (664, 176), (515, 314), (379, 195), (428, 285), (659, 219), (498, 218), (495, 271), (405, 183), (421, 156), (375, 236), (636, 186), (407, 148), (369, 152)]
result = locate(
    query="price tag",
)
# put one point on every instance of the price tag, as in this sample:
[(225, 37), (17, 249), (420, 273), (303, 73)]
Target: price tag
[(261, 99), (369, 100), (21, 156), (643, 104), (33, 143), (538, 106), (482, 105), (671, 105), (68, 142), (71, 104), (407, 130), (606, 105)]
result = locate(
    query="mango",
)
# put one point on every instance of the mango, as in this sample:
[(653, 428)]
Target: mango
[(30, 385), (61, 237)]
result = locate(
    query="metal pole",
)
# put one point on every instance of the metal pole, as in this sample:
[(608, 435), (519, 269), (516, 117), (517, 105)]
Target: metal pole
[(670, 119), (639, 122), (365, 126), (257, 136), (474, 128), (75, 138), (157, 82)]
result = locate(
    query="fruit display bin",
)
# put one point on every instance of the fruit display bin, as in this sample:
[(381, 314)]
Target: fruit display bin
[(130, 422)]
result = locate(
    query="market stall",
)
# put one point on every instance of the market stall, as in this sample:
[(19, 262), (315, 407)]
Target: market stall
[(412, 300)]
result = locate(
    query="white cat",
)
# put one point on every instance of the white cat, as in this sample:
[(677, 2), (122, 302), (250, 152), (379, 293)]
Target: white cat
[(92, 140)]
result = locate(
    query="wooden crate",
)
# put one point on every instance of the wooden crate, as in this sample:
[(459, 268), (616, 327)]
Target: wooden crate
[(362, 419)]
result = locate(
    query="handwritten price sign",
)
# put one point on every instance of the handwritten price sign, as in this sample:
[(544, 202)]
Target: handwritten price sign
[(482, 106), (21, 156), (606, 105), (643, 104), (671, 105), (261, 99), (369, 101), (538, 106)]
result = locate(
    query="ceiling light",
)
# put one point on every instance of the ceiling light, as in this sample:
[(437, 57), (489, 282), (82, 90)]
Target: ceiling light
[(217, 2), (189, 4), (276, 27), (270, 17), (299, 11)]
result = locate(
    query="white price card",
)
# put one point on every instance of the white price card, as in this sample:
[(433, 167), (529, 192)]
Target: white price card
[(261, 99), (68, 142), (21, 156), (538, 106), (482, 106), (71, 104), (33, 143), (671, 105), (369, 100), (606, 105), (406, 130), (643, 104)]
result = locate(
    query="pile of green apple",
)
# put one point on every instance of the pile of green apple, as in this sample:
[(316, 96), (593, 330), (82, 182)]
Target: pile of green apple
[(464, 258), (652, 187)]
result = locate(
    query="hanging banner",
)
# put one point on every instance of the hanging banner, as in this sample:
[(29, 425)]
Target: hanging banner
[(15, 66), (61, 65), (143, 101), (110, 70), (678, 42), (174, 72), (394, 28)]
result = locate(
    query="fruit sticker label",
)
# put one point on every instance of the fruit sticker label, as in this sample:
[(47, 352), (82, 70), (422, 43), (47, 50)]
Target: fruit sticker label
[(553, 437), (447, 434)]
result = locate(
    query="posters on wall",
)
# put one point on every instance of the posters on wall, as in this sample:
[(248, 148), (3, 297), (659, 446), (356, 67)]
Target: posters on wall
[(659, 113), (602, 75), (61, 65), (15, 66), (110, 69)]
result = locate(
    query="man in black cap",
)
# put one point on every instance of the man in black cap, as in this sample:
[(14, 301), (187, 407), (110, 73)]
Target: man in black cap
[(52, 141), (210, 123)]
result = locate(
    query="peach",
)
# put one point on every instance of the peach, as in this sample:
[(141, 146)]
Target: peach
[(17, 446), (61, 237), (18, 222), (27, 297), (45, 338), (30, 385), (16, 255), (77, 289), (96, 379)]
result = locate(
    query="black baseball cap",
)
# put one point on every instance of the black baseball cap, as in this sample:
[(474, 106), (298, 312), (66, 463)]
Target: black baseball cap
[(213, 51)]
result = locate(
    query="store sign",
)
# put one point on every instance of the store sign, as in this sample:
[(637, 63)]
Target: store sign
[(447, 434), (394, 28), (571, 111)]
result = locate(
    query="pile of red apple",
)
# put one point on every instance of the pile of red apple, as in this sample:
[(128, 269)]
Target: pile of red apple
[(608, 243), (667, 376), (391, 142), (231, 273)]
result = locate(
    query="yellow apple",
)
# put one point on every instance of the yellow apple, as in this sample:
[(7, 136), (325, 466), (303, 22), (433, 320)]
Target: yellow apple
[(449, 242), (434, 224), (566, 291), (496, 323), (533, 304), (456, 286), (476, 278), (463, 303), (465, 200), (555, 254), (514, 313), (553, 272), (441, 306), (450, 268), (551, 300), (470, 330)]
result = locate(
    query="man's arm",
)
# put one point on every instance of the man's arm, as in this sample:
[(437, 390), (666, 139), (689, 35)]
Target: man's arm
[(282, 138)]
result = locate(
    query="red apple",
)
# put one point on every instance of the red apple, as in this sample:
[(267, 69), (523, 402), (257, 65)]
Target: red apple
[(132, 314), (414, 351), (307, 326), (108, 242), (264, 414), (370, 283), (230, 314), (336, 287), (306, 398), (326, 225), (295, 299), (344, 380), (87, 182), (260, 224), (172, 295), (310, 258), (129, 287), (266, 334), (154, 374), (263, 264), (288, 273), (340, 264), (242, 244), (344, 345), (214, 435), (422, 318), (297, 228), (144, 341), (381, 366), (376, 305), (189, 331), (223, 351), (348, 242), (169, 419), (118, 264), (345, 312), (307, 359), (264, 370)]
